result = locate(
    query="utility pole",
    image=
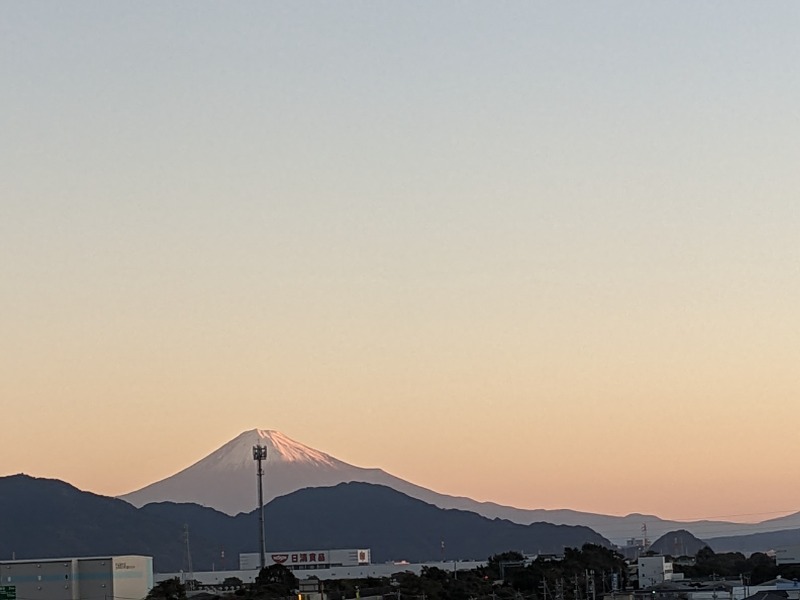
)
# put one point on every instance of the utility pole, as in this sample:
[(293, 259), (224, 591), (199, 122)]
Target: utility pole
[(190, 582), (260, 455)]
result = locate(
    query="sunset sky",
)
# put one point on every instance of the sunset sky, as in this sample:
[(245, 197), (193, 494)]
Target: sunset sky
[(540, 253)]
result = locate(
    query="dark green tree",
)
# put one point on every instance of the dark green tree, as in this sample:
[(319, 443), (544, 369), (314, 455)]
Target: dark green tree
[(169, 589), (232, 582), (274, 581)]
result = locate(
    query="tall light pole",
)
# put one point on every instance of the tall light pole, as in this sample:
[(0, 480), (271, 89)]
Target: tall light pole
[(260, 455)]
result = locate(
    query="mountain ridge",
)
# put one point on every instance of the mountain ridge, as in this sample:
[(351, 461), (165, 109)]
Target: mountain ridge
[(224, 480), (55, 519)]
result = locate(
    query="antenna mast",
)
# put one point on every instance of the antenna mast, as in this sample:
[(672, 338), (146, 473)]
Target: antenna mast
[(260, 455)]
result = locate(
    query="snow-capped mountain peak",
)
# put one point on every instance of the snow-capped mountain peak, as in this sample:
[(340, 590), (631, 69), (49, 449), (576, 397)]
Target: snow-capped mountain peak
[(289, 450), (238, 453)]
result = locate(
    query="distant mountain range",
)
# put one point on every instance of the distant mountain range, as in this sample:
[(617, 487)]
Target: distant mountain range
[(756, 542), (225, 480), (49, 518)]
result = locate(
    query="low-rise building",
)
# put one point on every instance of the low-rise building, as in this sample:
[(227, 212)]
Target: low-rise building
[(788, 555), (302, 560), (215, 579), (81, 578), (653, 570)]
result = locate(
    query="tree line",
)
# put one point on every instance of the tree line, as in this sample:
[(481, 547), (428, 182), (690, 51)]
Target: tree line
[(585, 573)]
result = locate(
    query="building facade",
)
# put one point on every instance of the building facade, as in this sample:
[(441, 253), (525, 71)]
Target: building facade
[(84, 578), (301, 560), (653, 570), (788, 555), (215, 579)]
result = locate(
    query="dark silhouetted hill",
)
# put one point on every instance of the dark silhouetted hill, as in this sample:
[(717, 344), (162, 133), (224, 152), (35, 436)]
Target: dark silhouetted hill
[(678, 543), (363, 515), (49, 518)]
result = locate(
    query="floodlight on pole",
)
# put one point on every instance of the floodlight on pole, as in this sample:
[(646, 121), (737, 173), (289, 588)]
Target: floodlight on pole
[(260, 455)]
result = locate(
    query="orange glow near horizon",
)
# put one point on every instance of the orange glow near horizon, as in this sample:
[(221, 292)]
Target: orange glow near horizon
[(538, 255)]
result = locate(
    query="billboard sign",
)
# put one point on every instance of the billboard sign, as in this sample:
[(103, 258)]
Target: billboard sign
[(307, 559), (312, 557)]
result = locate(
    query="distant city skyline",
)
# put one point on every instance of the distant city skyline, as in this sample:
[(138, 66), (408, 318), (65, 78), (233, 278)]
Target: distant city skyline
[(539, 254)]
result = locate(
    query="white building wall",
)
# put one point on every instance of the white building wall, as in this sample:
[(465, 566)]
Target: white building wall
[(132, 576), (789, 555), (90, 578), (653, 570), (94, 578), (40, 579)]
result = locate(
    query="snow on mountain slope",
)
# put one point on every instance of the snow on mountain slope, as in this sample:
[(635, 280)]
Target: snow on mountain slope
[(237, 454), (226, 480)]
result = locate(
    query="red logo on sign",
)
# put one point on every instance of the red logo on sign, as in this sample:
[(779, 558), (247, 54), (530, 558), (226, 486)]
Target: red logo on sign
[(280, 558)]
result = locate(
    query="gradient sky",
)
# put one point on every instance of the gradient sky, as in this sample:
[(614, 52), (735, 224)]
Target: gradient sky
[(540, 253)]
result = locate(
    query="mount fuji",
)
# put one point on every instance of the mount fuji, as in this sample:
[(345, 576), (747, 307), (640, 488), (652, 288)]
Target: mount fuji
[(225, 480)]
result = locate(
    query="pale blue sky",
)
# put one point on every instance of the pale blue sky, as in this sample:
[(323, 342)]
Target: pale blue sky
[(354, 222)]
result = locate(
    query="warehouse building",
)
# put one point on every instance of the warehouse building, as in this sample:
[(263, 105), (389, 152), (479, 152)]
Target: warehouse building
[(216, 579), (788, 555), (83, 578)]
